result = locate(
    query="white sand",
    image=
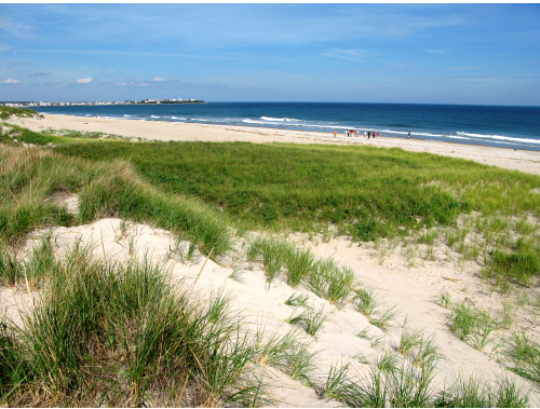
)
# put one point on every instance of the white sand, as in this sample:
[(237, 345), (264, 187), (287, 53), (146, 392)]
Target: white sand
[(525, 161), (410, 290)]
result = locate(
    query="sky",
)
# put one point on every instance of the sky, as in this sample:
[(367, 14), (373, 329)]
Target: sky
[(486, 54)]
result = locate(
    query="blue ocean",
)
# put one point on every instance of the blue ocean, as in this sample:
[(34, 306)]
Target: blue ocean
[(508, 127)]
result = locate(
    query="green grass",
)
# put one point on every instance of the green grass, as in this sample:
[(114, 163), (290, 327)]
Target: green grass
[(120, 335), (365, 300), (31, 176), (472, 393), (297, 300), (525, 354), (288, 354), (472, 325), (298, 266), (367, 192), (520, 263), (309, 320), (383, 320), (278, 184), (444, 299), (16, 135), (388, 383), (410, 339), (8, 112)]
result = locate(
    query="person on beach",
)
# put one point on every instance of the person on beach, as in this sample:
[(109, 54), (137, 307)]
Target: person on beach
[(369, 134), (378, 135), (365, 134), (409, 135), (335, 133)]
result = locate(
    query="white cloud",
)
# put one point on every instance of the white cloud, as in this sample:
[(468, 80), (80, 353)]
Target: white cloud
[(11, 81), (133, 84), (16, 28), (159, 79), (85, 80), (348, 54)]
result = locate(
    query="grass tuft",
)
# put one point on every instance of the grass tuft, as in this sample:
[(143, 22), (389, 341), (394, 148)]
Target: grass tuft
[(384, 319), (365, 301), (310, 321), (525, 354), (471, 325), (297, 300)]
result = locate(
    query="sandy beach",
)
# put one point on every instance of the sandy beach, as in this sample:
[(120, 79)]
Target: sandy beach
[(408, 283), (524, 161)]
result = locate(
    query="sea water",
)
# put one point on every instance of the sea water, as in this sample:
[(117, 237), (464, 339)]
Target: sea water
[(508, 127)]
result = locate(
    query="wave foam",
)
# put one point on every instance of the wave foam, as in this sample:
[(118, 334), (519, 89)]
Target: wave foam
[(499, 137), (268, 118)]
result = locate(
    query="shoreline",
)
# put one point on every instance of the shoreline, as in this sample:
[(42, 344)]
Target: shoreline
[(522, 160)]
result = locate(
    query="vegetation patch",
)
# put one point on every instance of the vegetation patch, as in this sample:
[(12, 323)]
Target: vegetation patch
[(8, 112), (30, 176), (121, 335), (368, 193)]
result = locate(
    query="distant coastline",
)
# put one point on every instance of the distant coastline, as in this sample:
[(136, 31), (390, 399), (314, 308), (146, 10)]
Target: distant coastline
[(19, 104)]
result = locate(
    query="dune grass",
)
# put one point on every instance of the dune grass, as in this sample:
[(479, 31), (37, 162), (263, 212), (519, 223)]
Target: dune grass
[(525, 354), (31, 176), (298, 266), (310, 320), (472, 325), (8, 112), (291, 185), (389, 383), (368, 193), (14, 135), (287, 353), (121, 335)]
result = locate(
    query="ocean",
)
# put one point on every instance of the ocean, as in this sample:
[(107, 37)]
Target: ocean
[(507, 127)]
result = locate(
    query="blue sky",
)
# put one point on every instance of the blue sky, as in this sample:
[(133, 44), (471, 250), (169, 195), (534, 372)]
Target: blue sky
[(422, 53)]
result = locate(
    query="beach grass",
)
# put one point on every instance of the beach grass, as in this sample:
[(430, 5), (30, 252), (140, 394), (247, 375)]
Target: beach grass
[(310, 320), (525, 355), (367, 193), (291, 185), (105, 333), (32, 176), (15, 135), (8, 112)]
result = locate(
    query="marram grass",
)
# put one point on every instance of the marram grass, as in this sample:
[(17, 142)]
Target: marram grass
[(367, 192), (31, 176), (121, 335)]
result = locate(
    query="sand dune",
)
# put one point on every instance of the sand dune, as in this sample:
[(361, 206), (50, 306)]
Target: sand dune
[(410, 290)]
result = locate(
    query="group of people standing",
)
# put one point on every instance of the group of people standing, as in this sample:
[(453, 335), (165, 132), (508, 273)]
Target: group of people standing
[(367, 134), (352, 132)]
